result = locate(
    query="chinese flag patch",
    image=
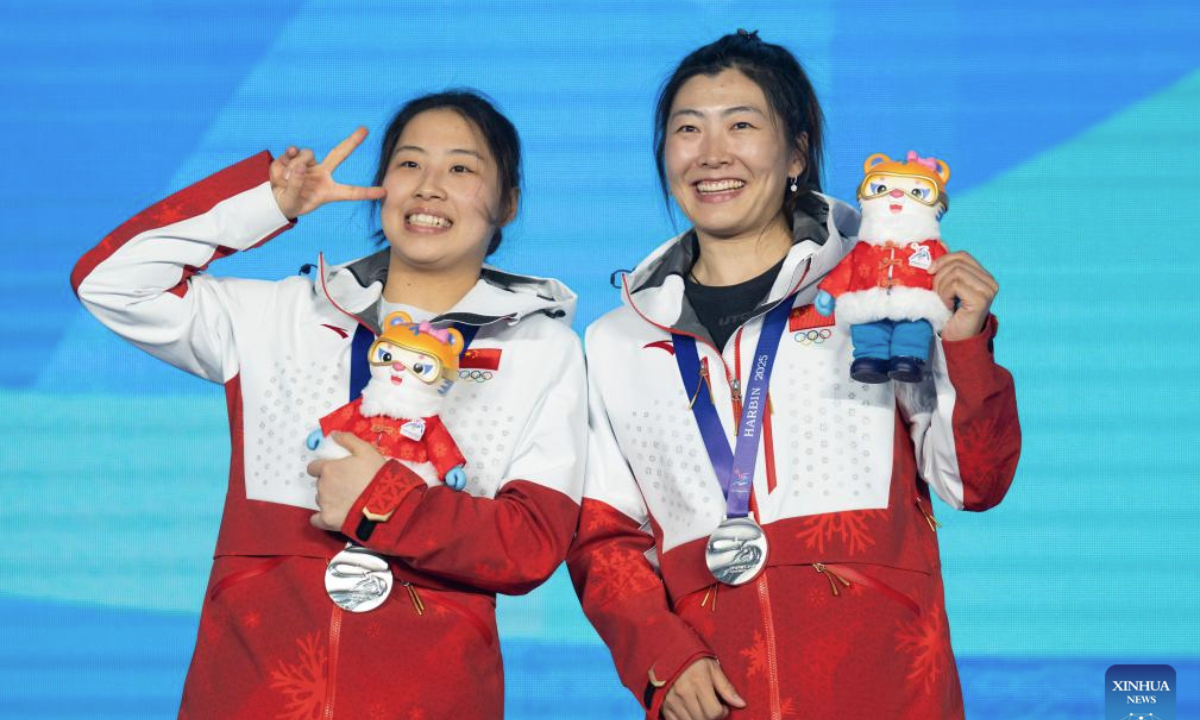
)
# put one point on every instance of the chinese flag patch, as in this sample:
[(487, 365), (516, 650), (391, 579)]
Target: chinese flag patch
[(807, 317), (480, 359)]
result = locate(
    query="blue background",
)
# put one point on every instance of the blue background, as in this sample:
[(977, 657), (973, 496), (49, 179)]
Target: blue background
[(1073, 131)]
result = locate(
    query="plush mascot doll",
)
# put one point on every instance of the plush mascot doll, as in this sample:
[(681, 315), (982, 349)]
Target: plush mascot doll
[(413, 366), (883, 288)]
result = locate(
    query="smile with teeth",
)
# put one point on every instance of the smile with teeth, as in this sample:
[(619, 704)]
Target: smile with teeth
[(427, 220), (719, 186)]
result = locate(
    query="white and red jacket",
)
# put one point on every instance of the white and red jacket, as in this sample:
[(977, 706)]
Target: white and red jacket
[(271, 642), (847, 620)]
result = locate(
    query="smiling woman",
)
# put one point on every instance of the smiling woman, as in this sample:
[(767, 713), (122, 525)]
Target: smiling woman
[(728, 162), (746, 467), (447, 160), (272, 641)]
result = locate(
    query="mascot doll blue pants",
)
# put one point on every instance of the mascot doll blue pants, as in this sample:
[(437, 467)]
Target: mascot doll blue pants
[(884, 339)]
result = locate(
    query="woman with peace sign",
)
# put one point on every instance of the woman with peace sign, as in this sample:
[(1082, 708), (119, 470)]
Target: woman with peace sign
[(272, 642)]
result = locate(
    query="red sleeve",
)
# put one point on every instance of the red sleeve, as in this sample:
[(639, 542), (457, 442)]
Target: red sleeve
[(626, 601), (838, 279), (507, 544), (439, 444), (141, 280), (987, 431), (196, 199)]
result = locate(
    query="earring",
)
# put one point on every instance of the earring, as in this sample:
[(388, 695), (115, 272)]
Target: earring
[(794, 187)]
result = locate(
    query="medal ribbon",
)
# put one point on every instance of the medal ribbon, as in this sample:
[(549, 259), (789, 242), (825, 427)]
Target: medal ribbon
[(735, 468), (360, 365)]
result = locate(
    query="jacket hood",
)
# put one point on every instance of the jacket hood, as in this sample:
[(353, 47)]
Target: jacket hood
[(823, 231), (356, 289)]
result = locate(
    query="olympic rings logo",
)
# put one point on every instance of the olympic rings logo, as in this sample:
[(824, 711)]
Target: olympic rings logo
[(478, 376), (813, 337)]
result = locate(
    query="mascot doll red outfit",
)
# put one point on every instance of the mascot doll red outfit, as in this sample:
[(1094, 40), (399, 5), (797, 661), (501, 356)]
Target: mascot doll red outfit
[(413, 366), (883, 288)]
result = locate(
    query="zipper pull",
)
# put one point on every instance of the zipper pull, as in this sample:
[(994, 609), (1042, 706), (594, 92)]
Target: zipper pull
[(833, 578), (735, 386), (704, 380), (711, 593), (707, 378), (418, 605), (929, 518)]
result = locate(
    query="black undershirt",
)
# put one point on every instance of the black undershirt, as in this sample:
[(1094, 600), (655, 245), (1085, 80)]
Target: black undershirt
[(721, 310)]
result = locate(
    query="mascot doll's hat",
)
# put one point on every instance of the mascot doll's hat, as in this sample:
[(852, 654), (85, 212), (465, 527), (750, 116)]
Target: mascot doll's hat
[(931, 169), (443, 344)]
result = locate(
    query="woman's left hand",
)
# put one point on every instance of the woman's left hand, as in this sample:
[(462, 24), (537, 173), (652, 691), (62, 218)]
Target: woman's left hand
[(959, 277), (301, 184), (340, 482)]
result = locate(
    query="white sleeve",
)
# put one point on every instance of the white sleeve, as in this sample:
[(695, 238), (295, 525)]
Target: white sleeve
[(608, 477), (142, 281), (929, 406)]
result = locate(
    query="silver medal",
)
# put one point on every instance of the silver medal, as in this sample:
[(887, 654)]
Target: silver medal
[(358, 580), (736, 551)]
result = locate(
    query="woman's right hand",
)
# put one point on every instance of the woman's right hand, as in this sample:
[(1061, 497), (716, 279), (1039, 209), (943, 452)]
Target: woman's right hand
[(302, 185), (701, 692)]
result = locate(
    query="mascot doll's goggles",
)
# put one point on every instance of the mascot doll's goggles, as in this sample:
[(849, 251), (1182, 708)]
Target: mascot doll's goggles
[(913, 186), (427, 368)]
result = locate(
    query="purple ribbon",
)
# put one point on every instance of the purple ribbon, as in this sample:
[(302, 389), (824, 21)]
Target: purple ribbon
[(735, 469)]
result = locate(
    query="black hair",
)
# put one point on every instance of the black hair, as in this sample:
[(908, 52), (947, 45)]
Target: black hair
[(497, 130), (784, 83)]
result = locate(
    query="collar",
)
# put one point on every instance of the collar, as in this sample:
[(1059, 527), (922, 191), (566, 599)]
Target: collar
[(356, 288), (823, 231)]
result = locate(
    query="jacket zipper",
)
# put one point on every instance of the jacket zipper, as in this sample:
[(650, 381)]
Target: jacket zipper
[(736, 383), (834, 578), (335, 637), (234, 578), (735, 387), (733, 383), (417, 603), (768, 440), (840, 576), (704, 381), (764, 599)]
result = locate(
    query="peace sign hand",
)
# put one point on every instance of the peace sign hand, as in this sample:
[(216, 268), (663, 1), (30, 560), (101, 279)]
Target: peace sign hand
[(302, 185)]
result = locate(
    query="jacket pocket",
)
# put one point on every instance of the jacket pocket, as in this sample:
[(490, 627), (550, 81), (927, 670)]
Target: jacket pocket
[(486, 630), (843, 576), (253, 567)]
